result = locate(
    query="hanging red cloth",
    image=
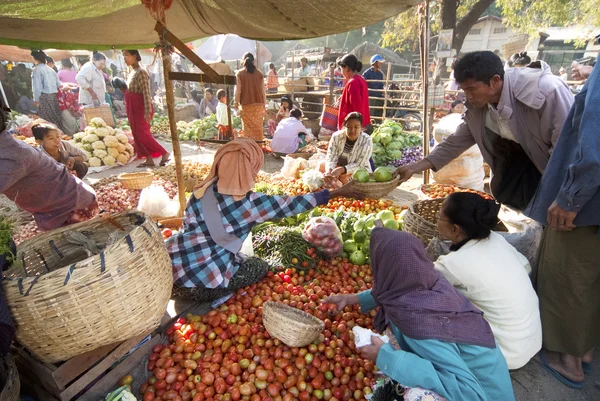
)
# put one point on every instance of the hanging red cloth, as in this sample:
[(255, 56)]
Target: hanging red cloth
[(145, 144)]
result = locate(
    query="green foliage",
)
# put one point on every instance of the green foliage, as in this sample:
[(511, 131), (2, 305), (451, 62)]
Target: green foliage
[(6, 232)]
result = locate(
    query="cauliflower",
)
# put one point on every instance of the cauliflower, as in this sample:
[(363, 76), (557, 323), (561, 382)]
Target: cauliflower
[(100, 153), (129, 148), (88, 154), (113, 152), (111, 141), (109, 160), (78, 145), (97, 122), (98, 145), (88, 147), (94, 162), (78, 136), (123, 158), (88, 130), (121, 137), (121, 148), (102, 132), (90, 138)]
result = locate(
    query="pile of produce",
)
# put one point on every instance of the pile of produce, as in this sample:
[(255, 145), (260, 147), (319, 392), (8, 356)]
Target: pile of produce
[(322, 232), (160, 126), (30, 140), (366, 207), (443, 190), (282, 246), (409, 156), (227, 355), (115, 198), (191, 170), (6, 234), (389, 141), (381, 174), (314, 147), (103, 145), (198, 129)]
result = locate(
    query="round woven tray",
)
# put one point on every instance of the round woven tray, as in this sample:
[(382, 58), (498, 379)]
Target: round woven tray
[(377, 190), (136, 180), (67, 299), (9, 379), (290, 325), (420, 219)]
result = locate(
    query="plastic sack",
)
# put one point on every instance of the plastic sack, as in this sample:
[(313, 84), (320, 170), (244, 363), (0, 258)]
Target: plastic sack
[(322, 233), (155, 201), (466, 170), (292, 167), (362, 336), (313, 179)]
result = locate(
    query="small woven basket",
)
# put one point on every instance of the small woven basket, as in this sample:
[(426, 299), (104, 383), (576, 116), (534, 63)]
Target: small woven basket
[(420, 219), (376, 190), (87, 285), (136, 180), (293, 327), (9, 379)]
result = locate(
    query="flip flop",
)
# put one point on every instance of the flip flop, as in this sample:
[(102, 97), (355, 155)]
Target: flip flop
[(164, 162), (142, 165), (558, 376), (587, 367)]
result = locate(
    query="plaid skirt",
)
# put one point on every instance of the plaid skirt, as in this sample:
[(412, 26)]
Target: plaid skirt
[(49, 109)]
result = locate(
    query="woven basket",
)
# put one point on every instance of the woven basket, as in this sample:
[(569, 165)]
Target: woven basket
[(136, 180), (104, 112), (65, 302), (377, 190), (9, 379), (420, 219), (290, 325)]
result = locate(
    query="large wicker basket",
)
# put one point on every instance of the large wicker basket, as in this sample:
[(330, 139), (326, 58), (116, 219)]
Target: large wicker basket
[(9, 379), (136, 180), (377, 190), (293, 327), (67, 300), (420, 219)]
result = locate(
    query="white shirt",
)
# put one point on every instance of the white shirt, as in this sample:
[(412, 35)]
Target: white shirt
[(494, 277), (497, 124), (285, 138), (222, 114), (90, 77)]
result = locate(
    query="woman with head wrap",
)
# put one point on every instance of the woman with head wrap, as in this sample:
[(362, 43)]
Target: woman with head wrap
[(219, 216), (446, 346)]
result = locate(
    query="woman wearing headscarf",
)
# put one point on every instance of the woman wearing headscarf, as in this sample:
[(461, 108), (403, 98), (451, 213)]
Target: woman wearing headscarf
[(446, 346), (223, 209), (250, 94), (46, 85)]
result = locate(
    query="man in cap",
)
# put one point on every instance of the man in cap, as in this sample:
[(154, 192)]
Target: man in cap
[(374, 78)]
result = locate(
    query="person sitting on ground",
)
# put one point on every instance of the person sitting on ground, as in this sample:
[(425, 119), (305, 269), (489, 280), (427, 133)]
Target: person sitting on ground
[(445, 344), (287, 136), (222, 117), (219, 217), (49, 139), (208, 105), (349, 149), (287, 105), (492, 274)]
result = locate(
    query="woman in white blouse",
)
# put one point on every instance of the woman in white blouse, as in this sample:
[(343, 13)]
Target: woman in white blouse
[(349, 149), (491, 274)]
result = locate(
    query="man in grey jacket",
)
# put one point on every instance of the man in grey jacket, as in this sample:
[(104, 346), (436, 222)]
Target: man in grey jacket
[(521, 110)]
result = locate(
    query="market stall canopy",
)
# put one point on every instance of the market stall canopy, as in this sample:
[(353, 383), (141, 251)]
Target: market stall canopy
[(102, 24), (16, 54), (231, 47)]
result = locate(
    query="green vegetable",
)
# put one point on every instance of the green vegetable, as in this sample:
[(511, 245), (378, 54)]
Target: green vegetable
[(358, 258), (117, 394), (6, 233), (279, 245)]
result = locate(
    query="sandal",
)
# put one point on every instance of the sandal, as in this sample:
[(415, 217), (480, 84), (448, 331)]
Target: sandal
[(557, 375), (164, 162), (144, 165)]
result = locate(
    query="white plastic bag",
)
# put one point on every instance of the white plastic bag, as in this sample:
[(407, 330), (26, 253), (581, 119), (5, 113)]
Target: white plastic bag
[(313, 179), (322, 233), (155, 202), (363, 336), (292, 167)]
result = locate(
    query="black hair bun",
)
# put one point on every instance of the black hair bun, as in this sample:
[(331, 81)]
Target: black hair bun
[(486, 213)]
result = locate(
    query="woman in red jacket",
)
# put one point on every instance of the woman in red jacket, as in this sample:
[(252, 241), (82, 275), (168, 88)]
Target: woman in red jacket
[(355, 96)]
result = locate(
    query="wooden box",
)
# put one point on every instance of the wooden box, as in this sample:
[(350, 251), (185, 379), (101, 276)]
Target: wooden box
[(104, 112), (86, 377)]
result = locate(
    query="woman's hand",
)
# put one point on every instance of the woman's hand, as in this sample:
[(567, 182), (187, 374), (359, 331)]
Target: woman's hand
[(341, 301), (70, 163), (347, 191), (148, 117), (336, 172), (370, 352)]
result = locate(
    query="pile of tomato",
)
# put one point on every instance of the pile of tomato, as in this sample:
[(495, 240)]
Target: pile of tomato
[(227, 355), (436, 191), (366, 207)]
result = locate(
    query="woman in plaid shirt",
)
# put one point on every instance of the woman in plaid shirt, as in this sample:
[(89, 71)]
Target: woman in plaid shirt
[(138, 101), (205, 266)]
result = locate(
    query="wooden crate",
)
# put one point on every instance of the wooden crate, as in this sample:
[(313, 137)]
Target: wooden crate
[(86, 377), (104, 112)]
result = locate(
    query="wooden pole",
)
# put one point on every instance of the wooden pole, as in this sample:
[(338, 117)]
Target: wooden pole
[(293, 68), (170, 95), (229, 120), (331, 83), (425, 78), (385, 89)]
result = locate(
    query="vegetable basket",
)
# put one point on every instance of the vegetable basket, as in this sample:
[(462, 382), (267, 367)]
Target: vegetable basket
[(87, 285), (377, 190), (136, 180), (9, 379), (293, 327)]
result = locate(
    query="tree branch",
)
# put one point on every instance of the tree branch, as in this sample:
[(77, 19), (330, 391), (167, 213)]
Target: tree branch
[(466, 23)]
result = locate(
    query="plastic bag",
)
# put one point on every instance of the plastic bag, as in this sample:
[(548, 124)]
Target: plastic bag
[(313, 179), (322, 233), (363, 336), (292, 167), (155, 202)]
